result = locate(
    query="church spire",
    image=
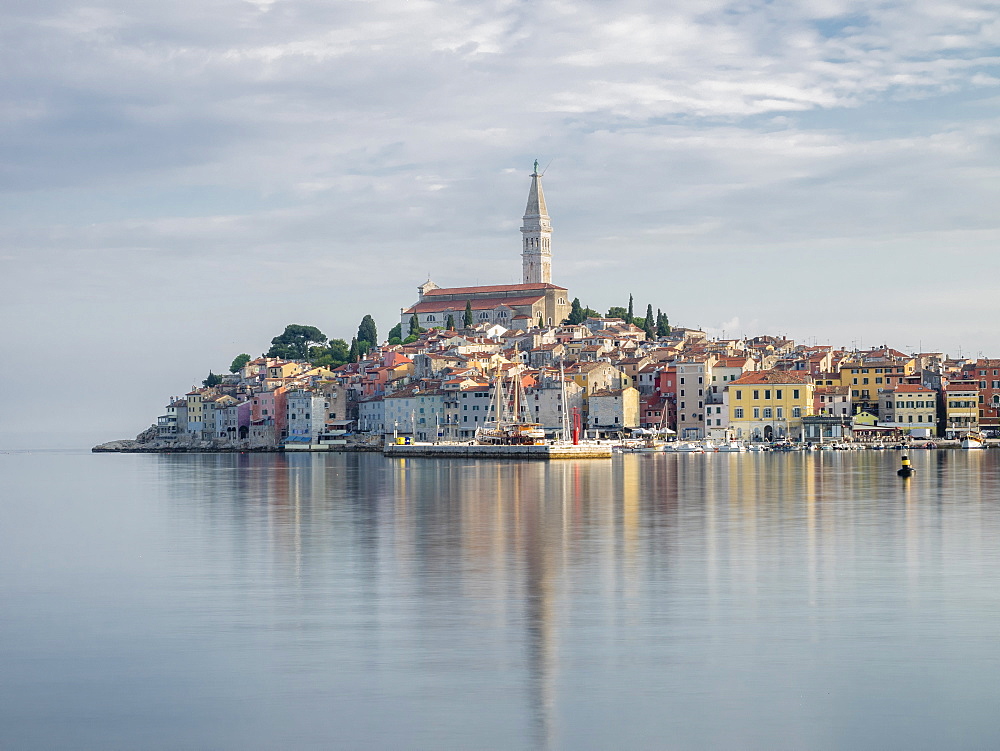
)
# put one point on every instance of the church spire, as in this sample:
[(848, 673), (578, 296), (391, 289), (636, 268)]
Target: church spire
[(536, 233)]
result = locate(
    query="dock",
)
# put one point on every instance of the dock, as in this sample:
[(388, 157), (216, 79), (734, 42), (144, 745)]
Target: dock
[(543, 452)]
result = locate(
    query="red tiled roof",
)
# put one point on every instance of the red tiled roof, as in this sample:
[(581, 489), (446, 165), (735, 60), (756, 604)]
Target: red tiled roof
[(772, 376), (483, 303), (490, 289), (909, 388)]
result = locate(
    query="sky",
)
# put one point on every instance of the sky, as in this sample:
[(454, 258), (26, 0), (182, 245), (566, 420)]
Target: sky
[(181, 180)]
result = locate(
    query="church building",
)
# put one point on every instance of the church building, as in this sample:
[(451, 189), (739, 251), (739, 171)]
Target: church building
[(514, 306)]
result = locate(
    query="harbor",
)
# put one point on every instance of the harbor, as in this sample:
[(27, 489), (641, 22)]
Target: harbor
[(500, 451)]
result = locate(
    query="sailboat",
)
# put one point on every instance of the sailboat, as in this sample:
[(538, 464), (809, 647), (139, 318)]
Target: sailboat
[(973, 440), (509, 425)]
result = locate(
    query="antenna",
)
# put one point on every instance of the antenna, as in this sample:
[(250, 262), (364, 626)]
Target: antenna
[(542, 173)]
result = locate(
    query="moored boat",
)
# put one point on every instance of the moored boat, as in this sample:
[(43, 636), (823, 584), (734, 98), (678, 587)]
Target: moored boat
[(973, 440)]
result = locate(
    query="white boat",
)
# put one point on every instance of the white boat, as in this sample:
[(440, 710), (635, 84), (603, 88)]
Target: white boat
[(685, 447), (731, 447), (973, 441)]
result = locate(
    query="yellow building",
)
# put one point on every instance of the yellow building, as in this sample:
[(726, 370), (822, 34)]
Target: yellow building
[(285, 368), (878, 371), (909, 406), (770, 404), (961, 408), (195, 411)]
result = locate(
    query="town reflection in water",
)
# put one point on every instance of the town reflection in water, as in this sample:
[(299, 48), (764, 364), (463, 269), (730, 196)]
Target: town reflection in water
[(534, 574)]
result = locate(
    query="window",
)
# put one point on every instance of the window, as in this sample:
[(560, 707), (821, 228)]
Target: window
[(431, 318), (484, 315), (739, 394), (780, 413), (767, 393), (756, 413), (796, 412), (738, 413), (777, 394), (768, 413), (756, 394)]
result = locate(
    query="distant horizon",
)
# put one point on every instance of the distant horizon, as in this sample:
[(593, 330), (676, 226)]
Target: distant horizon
[(182, 181)]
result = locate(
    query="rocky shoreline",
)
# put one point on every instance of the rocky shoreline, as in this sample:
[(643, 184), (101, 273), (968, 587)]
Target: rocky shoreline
[(147, 443), (126, 446)]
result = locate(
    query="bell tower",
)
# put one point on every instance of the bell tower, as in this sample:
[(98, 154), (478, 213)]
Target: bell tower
[(536, 234)]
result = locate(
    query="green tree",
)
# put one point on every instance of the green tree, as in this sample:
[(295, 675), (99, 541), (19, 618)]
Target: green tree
[(410, 339), (648, 324), (367, 332), (414, 325), (616, 312), (238, 362), (352, 353), (333, 355), (540, 323), (450, 323), (575, 313), (294, 342), (630, 318), (396, 332), (212, 380), (662, 324), (467, 318)]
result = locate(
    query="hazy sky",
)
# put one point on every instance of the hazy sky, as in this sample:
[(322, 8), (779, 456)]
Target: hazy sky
[(180, 180)]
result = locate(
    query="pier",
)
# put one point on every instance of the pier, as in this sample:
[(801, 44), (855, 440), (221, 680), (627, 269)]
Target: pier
[(477, 451)]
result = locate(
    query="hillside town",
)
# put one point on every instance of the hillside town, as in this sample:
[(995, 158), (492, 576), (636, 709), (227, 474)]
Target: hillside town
[(438, 388), (617, 378)]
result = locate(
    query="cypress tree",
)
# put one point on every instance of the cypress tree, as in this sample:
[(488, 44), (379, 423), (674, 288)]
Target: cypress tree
[(467, 318), (662, 324), (450, 325), (631, 313), (414, 324), (352, 355), (648, 325), (576, 314), (367, 332)]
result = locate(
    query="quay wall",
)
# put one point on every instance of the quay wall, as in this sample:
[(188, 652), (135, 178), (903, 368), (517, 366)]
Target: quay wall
[(474, 451)]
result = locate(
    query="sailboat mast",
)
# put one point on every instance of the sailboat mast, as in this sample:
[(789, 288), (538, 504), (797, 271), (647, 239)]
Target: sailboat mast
[(562, 397)]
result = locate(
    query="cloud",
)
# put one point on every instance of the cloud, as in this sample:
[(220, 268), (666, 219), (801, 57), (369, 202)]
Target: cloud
[(209, 169)]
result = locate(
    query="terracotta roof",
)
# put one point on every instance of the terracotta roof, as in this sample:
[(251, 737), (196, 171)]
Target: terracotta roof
[(909, 388), (490, 289), (829, 390), (772, 376), (458, 306)]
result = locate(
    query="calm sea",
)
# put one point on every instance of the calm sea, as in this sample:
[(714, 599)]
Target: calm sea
[(782, 601)]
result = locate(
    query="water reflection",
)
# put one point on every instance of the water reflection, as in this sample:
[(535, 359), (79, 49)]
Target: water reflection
[(680, 576)]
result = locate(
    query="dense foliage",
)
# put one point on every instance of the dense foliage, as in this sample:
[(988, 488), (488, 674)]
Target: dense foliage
[(238, 362)]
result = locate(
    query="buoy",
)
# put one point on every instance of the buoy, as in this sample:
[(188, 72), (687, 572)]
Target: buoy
[(906, 470)]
